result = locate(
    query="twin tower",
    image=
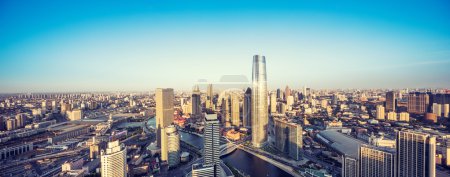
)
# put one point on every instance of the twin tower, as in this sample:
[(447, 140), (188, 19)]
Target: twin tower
[(259, 109)]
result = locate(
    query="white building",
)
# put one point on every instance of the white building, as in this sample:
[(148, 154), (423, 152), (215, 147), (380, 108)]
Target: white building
[(114, 160)]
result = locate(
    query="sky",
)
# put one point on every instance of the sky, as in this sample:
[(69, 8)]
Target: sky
[(70, 46)]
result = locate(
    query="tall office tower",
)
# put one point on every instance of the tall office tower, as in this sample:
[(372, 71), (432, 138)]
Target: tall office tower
[(201, 170), (380, 112), (212, 142), (376, 162), (235, 113), (44, 104), (273, 103), (209, 97), (196, 102), (304, 92), (114, 160), (278, 93), (287, 92), (65, 107), (418, 103), (288, 138), (390, 101), (164, 110), (437, 109), (173, 146), (415, 154), (260, 117), (247, 108)]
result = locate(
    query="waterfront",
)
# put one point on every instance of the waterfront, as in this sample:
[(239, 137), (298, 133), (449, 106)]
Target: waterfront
[(241, 160)]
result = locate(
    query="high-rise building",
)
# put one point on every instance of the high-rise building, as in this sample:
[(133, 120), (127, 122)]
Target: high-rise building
[(164, 110), (114, 160), (289, 102), (226, 111), (247, 108), (212, 142), (273, 102), (390, 101), (445, 110), (374, 162), (288, 138), (380, 112), (173, 146), (235, 113), (415, 154), (392, 116), (196, 102), (260, 117), (418, 103), (209, 97), (201, 170), (287, 92), (11, 124), (2, 123), (437, 109), (20, 120), (404, 116)]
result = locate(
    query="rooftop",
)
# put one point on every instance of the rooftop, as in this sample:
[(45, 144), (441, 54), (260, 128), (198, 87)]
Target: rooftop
[(342, 143)]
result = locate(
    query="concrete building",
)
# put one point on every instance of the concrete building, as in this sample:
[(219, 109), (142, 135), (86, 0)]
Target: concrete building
[(392, 116), (76, 114), (247, 108), (114, 160), (437, 109), (418, 103), (21, 120), (11, 124), (375, 162), (173, 146), (415, 154), (7, 152), (380, 112), (404, 116), (164, 111), (390, 101), (445, 110), (260, 117), (288, 138), (289, 102)]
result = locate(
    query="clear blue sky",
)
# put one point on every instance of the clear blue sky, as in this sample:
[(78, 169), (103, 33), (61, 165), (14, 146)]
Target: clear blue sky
[(141, 45)]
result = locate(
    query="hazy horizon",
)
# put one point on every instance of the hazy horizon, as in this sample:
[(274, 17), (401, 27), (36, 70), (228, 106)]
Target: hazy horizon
[(84, 46)]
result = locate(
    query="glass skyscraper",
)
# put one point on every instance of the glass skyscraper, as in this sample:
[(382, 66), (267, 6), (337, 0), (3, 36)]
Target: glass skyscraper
[(260, 117)]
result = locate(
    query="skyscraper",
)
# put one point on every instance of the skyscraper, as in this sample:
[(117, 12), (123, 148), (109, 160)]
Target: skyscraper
[(288, 138), (164, 110), (287, 92), (390, 101), (212, 142), (273, 102), (416, 154), (418, 103), (376, 162), (247, 108), (114, 160), (235, 113), (209, 97), (196, 102), (260, 117)]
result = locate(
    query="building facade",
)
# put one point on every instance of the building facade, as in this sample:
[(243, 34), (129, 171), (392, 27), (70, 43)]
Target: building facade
[(260, 117)]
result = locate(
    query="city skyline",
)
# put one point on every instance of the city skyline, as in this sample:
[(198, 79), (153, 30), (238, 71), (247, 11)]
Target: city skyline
[(49, 47)]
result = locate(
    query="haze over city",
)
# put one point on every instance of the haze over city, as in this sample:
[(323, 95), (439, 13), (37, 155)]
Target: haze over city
[(51, 46)]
